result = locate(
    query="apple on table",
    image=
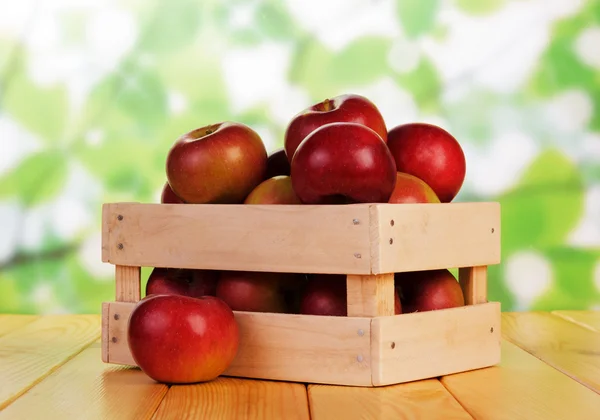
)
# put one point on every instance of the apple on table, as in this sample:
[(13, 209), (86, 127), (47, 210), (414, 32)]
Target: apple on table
[(180, 339)]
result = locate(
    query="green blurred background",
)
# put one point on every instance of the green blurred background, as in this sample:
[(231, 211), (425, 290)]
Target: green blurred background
[(93, 93)]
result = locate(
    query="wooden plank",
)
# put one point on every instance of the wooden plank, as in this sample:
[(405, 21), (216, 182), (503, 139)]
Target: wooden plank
[(522, 387), (231, 398), (32, 352), (426, 399), (105, 337), (283, 238), (586, 319), (11, 322), (410, 237), (370, 296), (423, 345), (303, 348), (568, 347), (85, 387), (473, 282), (128, 280)]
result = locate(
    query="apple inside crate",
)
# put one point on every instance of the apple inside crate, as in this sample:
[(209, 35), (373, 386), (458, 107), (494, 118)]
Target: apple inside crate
[(366, 242)]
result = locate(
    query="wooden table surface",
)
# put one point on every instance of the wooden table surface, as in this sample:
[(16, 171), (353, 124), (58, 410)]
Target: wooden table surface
[(50, 367)]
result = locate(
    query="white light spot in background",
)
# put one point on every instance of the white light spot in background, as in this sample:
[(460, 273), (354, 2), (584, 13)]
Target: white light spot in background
[(268, 138), (242, 15), (587, 232), (395, 104), (499, 50), (10, 225), (69, 217), (570, 110), (336, 23), (287, 102), (177, 102), (492, 170), (90, 255), (528, 275), (17, 143), (94, 137), (34, 226), (14, 19), (42, 294), (255, 75), (587, 46), (404, 55)]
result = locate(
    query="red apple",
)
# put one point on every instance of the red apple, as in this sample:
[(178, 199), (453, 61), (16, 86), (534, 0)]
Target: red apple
[(342, 108), (180, 339), (429, 290), (277, 164), (276, 190), (410, 189), (176, 281), (431, 154), (252, 291), (219, 163), (343, 159), (168, 196), (325, 294)]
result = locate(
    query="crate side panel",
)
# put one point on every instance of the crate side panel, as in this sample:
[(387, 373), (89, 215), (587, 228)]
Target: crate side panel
[(424, 345), (280, 238), (410, 237), (329, 350), (304, 348)]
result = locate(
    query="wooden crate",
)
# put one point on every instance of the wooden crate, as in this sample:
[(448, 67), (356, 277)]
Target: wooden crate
[(367, 242)]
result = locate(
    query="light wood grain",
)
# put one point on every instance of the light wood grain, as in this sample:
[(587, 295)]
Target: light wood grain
[(473, 282), (304, 348), (128, 281), (9, 323), (426, 399), (370, 296), (522, 387), (283, 238), (568, 347), (235, 399), (423, 345), (114, 338), (586, 319), (431, 236), (32, 352), (87, 388)]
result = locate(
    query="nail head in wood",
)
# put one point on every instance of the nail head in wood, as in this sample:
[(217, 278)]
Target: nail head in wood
[(116, 317), (391, 241), (392, 222), (120, 246), (120, 217), (492, 230), (114, 339), (393, 345), (492, 329), (355, 221), (357, 255), (361, 332), (359, 358)]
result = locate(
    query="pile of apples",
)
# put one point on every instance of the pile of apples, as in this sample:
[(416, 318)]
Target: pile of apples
[(337, 152)]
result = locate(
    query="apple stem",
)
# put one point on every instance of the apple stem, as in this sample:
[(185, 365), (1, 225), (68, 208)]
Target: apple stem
[(327, 105)]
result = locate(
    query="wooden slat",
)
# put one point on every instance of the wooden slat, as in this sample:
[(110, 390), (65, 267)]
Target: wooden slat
[(473, 282), (231, 398), (426, 399), (431, 236), (370, 296), (128, 281), (9, 323), (522, 387), (284, 238), (114, 338), (587, 319), (32, 352), (303, 348), (568, 347), (434, 343), (85, 387)]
